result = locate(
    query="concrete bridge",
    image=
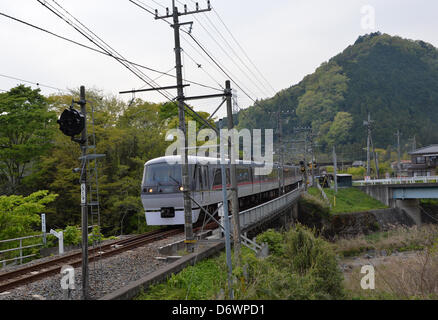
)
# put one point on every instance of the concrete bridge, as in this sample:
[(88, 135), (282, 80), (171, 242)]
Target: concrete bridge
[(403, 193)]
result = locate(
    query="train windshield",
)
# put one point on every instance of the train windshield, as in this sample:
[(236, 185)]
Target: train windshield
[(162, 174)]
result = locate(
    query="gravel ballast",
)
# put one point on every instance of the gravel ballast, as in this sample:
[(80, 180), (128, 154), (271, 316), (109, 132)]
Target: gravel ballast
[(105, 276)]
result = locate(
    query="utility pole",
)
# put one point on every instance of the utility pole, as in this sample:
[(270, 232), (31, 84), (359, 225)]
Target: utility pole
[(368, 125), (313, 160), (278, 114), (188, 224), (233, 174), (397, 134), (226, 215), (84, 206), (335, 167), (307, 131), (305, 161)]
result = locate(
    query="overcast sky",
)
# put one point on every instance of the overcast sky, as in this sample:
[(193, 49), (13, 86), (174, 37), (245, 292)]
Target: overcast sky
[(285, 39)]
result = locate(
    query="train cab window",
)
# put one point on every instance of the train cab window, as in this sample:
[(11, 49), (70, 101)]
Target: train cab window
[(218, 177), (217, 181), (242, 175)]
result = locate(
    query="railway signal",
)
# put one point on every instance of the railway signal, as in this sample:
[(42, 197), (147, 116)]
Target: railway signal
[(71, 122)]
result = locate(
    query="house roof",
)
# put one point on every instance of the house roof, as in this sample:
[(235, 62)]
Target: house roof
[(432, 149)]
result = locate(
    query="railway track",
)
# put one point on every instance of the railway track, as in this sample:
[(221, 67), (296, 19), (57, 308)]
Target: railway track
[(22, 276)]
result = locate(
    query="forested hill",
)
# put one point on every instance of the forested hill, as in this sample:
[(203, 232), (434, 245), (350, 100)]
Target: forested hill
[(394, 79)]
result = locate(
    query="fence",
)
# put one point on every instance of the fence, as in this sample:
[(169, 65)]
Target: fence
[(256, 214), (410, 180), (20, 248)]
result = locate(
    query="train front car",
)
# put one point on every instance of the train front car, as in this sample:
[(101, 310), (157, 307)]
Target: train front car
[(162, 193)]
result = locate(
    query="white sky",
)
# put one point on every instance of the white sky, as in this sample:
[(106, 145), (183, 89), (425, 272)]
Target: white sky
[(286, 40)]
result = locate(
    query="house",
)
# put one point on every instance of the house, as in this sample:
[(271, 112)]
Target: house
[(424, 162), (404, 167), (358, 164)]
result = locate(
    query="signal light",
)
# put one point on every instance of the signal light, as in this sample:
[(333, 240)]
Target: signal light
[(71, 122)]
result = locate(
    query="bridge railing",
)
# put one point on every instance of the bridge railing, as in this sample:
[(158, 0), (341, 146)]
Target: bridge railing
[(263, 211), (410, 180)]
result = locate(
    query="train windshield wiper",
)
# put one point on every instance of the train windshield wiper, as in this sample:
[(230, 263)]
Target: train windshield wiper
[(176, 181)]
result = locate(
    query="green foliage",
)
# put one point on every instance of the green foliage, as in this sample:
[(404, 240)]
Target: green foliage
[(273, 239), (72, 236), (199, 282), (301, 267), (19, 215), (26, 129), (349, 200), (129, 136), (394, 79)]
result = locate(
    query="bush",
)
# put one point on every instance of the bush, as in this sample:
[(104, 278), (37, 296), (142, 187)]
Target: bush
[(274, 240), (72, 236)]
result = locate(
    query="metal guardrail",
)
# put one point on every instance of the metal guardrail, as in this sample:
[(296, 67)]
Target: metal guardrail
[(20, 248), (259, 213), (410, 180)]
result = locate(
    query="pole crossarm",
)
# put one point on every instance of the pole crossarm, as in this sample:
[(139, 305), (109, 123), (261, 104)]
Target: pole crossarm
[(186, 12), (152, 89), (209, 96)]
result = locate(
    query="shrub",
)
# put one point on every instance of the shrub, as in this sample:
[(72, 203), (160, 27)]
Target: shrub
[(274, 240), (72, 236)]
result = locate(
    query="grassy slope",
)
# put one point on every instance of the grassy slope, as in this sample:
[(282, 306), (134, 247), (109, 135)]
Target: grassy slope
[(349, 200)]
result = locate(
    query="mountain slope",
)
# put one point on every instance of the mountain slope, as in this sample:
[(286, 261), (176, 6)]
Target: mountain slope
[(394, 79)]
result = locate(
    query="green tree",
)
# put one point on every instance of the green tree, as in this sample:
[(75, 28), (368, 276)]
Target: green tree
[(26, 129), (19, 215), (339, 132)]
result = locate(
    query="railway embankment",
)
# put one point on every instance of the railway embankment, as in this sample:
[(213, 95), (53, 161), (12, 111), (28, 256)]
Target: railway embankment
[(351, 212)]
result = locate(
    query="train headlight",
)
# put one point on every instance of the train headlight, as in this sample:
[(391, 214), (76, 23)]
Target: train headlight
[(181, 188)]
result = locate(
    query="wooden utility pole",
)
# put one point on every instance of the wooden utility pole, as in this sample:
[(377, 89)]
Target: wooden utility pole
[(188, 222), (233, 175)]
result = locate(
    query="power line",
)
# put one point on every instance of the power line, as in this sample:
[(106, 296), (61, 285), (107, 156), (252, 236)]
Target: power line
[(103, 45), (101, 52), (254, 76), (226, 53), (31, 82), (243, 50), (206, 52), (220, 67)]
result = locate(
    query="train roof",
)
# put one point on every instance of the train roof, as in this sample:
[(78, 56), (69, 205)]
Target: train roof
[(203, 160)]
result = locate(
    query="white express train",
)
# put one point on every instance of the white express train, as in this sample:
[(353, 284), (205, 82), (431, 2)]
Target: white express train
[(162, 195)]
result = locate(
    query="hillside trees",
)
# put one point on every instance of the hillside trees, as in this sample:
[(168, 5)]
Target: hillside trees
[(26, 130), (129, 136), (394, 79)]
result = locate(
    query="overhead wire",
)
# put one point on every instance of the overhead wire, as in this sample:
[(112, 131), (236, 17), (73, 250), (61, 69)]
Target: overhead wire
[(221, 68), (243, 51), (103, 52), (31, 82), (102, 45), (260, 87), (90, 35)]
